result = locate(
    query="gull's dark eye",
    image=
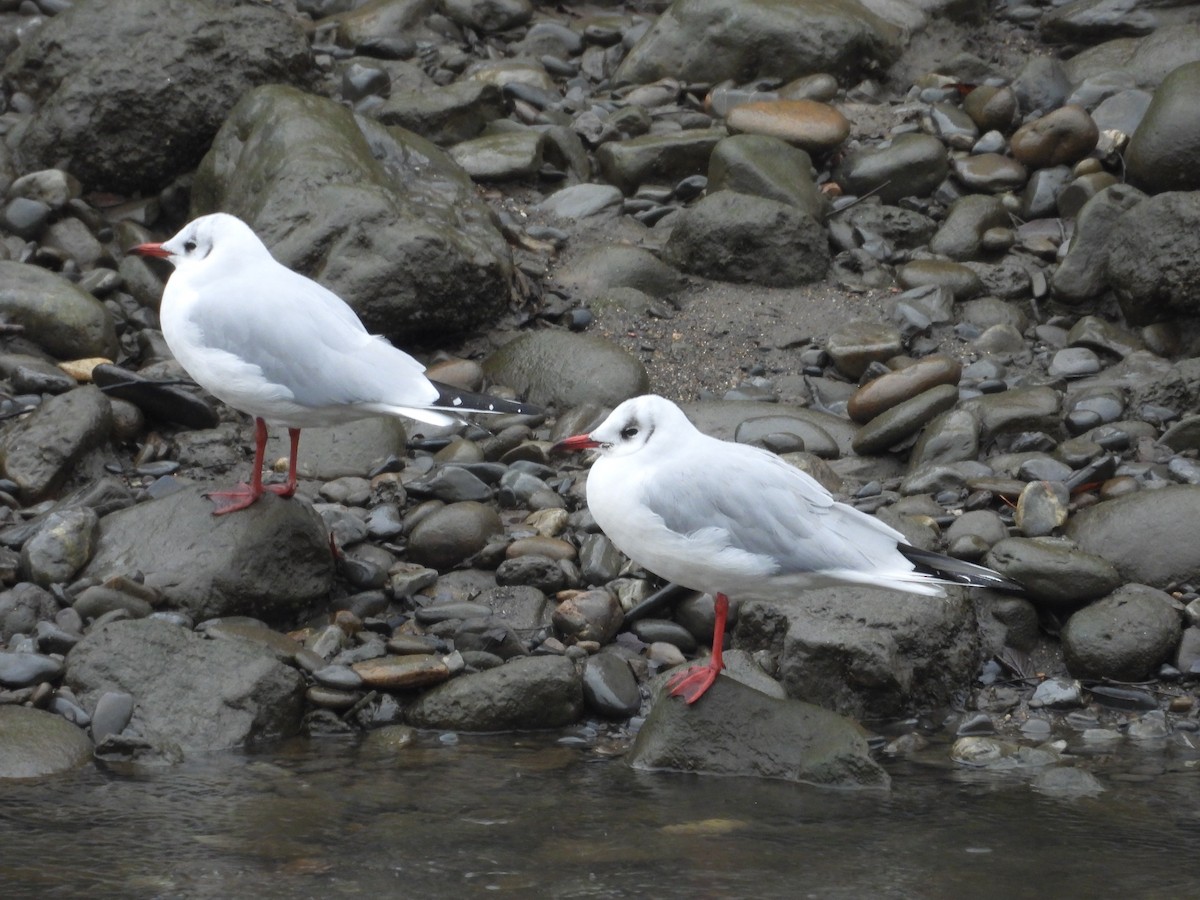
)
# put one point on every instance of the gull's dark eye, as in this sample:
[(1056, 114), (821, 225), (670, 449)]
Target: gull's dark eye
[(628, 432), (189, 246)]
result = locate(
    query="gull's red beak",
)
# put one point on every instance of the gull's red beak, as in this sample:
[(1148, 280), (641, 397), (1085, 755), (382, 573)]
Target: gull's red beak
[(574, 444), (151, 250)]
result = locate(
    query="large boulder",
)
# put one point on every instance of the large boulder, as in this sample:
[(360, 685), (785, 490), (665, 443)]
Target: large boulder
[(189, 692), (737, 730), (1164, 153), (271, 561), (867, 652), (1154, 258), (380, 216), (41, 452), (1147, 535), (129, 93), (1126, 636), (712, 40), (527, 693), (60, 317), (743, 238)]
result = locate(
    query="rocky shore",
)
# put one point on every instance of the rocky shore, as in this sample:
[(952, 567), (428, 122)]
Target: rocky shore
[(943, 256)]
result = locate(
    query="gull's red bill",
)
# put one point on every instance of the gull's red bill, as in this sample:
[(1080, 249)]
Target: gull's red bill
[(151, 250), (574, 444)]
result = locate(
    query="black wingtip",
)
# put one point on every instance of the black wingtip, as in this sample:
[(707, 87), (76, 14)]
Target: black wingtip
[(455, 399), (958, 571)]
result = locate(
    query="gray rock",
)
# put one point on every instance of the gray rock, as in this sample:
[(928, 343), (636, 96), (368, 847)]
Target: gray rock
[(866, 651), (765, 167), (1081, 274), (737, 237), (111, 126), (593, 615), (856, 344), (736, 730), (41, 451), (352, 448), (609, 687), (657, 158), (25, 669), (604, 267), (581, 201), (1067, 782), (1154, 257), (384, 218), (114, 709), (61, 318), (903, 229), (444, 115), (22, 607), (989, 173), (1042, 84), (1021, 409), (1058, 693), (54, 187), (37, 744), (449, 535), (912, 165), (503, 156), (1125, 636), (216, 565), (1146, 60), (724, 418), (60, 547), (527, 693), (959, 280), (961, 234), (697, 40), (489, 15), (1140, 535), (904, 419), (189, 692), (1090, 21), (560, 368)]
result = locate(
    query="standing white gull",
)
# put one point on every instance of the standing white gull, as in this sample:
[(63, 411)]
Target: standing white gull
[(735, 520), (282, 348)]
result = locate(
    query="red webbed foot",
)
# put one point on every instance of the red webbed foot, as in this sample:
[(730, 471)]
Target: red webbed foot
[(240, 497), (692, 683)]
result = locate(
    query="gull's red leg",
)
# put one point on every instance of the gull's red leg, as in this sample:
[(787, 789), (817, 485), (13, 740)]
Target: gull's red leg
[(693, 681), (244, 495), (286, 490)]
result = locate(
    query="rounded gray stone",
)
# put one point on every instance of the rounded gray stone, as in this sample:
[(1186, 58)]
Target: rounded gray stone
[(36, 744)]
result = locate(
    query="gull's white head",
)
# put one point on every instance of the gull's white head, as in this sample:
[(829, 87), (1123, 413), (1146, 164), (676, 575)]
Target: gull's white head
[(648, 421), (216, 236)]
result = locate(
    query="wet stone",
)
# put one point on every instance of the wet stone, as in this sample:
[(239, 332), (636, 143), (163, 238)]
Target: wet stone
[(392, 673), (1125, 636), (665, 631), (540, 572), (904, 419), (113, 711), (1042, 508), (25, 669), (1058, 693), (36, 744), (593, 615), (855, 345), (609, 686)]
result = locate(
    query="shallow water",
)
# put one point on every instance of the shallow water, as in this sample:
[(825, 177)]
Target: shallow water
[(529, 816)]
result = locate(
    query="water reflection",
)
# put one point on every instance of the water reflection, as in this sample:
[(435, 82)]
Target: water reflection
[(525, 816)]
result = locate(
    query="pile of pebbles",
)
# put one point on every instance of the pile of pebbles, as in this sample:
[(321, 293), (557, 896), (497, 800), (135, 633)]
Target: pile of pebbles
[(962, 286)]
